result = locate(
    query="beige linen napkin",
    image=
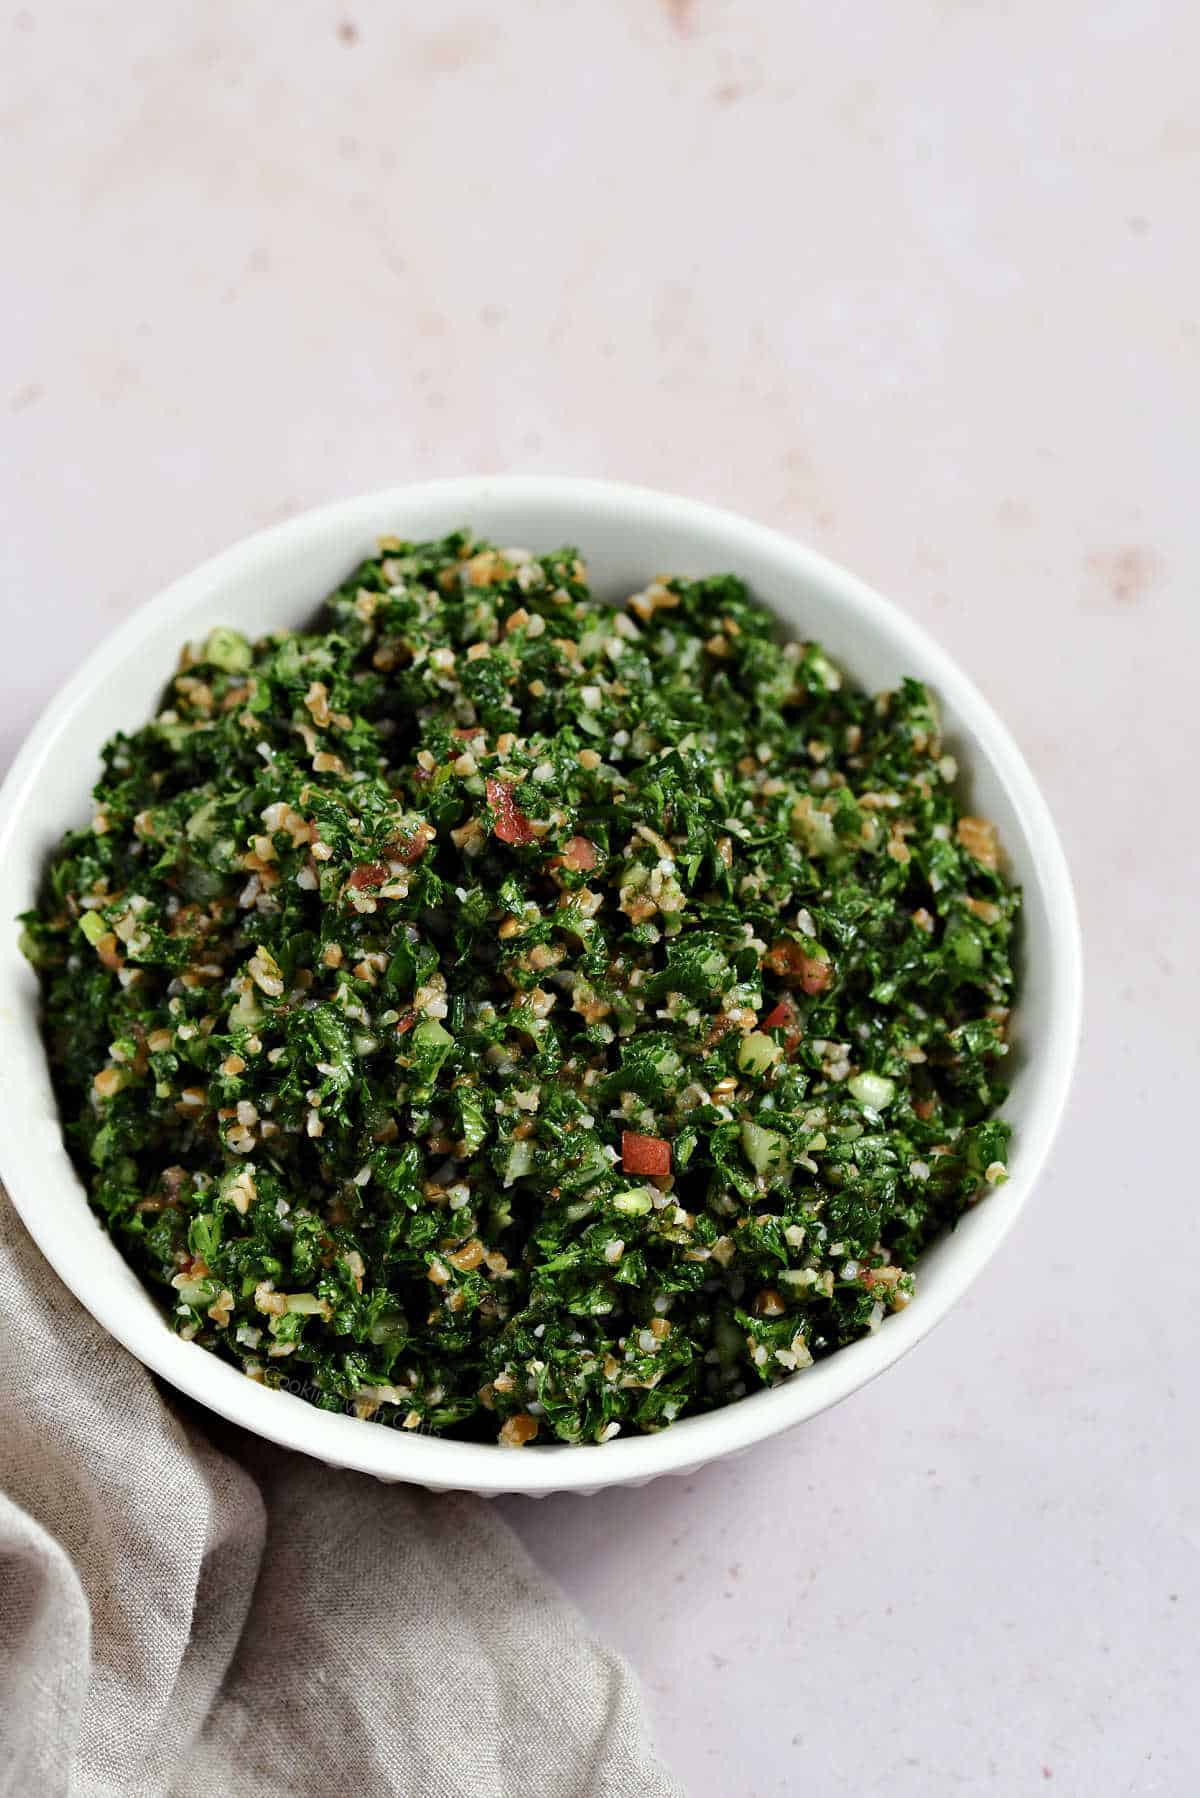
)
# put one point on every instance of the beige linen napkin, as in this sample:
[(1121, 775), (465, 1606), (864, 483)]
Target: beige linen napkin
[(185, 1610)]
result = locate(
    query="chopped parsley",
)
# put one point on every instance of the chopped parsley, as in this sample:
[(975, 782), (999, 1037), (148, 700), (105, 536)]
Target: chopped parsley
[(503, 1014)]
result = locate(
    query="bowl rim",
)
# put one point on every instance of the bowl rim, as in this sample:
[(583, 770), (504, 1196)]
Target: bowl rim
[(346, 1441)]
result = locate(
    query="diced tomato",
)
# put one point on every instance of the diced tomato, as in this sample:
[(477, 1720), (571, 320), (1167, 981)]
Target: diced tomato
[(811, 972), (406, 1023), (512, 826), (579, 855), (369, 874), (644, 1154), (465, 734), (816, 974), (785, 1017), (410, 849)]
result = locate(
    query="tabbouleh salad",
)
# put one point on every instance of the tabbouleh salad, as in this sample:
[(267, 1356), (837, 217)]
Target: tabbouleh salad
[(500, 1013)]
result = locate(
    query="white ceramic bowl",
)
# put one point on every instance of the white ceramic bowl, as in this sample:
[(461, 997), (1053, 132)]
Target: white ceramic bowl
[(627, 535)]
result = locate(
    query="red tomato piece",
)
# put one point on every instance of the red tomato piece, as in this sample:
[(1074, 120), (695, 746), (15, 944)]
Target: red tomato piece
[(815, 973), (369, 874), (410, 849), (512, 826), (785, 1017), (780, 1017), (579, 855), (644, 1154), (811, 972)]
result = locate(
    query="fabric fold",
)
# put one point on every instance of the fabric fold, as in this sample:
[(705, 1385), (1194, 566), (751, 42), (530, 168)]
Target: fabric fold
[(185, 1609)]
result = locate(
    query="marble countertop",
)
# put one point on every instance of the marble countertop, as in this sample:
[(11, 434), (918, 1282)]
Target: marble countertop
[(917, 284)]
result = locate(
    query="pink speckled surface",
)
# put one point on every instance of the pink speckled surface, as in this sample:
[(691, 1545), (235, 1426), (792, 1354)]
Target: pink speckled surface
[(919, 284)]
